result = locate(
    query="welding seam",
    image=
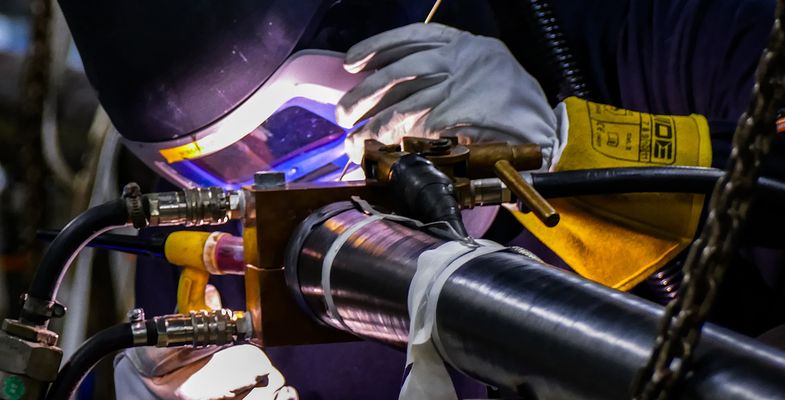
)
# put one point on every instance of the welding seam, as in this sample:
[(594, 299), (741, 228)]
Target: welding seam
[(327, 265)]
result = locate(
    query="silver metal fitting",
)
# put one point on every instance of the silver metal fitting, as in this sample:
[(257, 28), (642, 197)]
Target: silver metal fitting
[(237, 204), (138, 327), (268, 179), (493, 190), (203, 328), (195, 207), (490, 191)]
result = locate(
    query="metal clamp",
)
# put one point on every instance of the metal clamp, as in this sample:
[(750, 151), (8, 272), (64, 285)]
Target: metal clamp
[(132, 194), (42, 308), (138, 327)]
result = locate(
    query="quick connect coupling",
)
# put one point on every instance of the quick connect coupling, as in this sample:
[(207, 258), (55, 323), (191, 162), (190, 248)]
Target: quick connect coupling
[(203, 328), (195, 207)]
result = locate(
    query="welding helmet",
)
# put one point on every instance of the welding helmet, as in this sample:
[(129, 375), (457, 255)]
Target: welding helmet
[(209, 92)]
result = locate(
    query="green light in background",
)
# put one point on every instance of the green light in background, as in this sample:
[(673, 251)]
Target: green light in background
[(13, 387)]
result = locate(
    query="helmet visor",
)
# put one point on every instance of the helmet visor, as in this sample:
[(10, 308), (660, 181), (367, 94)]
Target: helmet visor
[(288, 125)]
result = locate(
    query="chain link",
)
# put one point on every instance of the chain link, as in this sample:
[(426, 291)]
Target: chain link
[(711, 253)]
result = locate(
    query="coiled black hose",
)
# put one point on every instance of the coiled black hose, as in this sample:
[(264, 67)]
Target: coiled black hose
[(104, 343), (570, 77), (665, 283), (63, 250)]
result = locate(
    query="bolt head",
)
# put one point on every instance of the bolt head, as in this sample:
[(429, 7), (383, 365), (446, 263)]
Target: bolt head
[(38, 334), (36, 360)]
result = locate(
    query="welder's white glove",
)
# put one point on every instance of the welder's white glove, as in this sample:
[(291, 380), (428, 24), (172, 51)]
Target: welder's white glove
[(435, 80), (241, 371), (232, 371)]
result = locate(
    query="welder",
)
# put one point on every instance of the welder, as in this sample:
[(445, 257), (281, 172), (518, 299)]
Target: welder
[(186, 82), (670, 59), (208, 94)]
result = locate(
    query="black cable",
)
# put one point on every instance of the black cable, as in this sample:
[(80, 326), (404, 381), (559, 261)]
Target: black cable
[(102, 344), (763, 222), (64, 249), (639, 180)]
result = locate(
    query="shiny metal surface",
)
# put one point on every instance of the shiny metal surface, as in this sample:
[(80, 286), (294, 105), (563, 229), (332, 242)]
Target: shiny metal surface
[(202, 328), (371, 307), (138, 327), (195, 207), (514, 322), (490, 191)]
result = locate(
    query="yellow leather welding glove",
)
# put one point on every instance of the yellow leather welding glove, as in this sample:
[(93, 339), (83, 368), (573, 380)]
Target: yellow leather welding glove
[(619, 240)]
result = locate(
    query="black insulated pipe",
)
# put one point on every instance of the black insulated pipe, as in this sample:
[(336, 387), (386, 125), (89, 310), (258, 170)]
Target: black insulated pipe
[(102, 344), (511, 321), (64, 249)]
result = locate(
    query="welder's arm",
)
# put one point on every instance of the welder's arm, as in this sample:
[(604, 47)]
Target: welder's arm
[(433, 80)]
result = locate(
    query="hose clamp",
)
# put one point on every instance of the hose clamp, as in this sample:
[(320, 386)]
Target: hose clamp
[(138, 326), (132, 194), (34, 306)]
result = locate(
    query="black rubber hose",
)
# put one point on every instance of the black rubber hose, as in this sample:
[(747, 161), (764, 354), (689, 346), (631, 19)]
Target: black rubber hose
[(66, 246), (570, 77), (152, 246), (639, 180), (102, 344), (763, 222)]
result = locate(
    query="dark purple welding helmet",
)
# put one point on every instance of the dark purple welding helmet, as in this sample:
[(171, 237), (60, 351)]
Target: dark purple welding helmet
[(208, 92)]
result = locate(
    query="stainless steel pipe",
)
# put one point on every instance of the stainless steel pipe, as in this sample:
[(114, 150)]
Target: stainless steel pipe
[(508, 320)]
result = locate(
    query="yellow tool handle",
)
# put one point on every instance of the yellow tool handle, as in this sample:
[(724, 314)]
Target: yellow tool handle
[(185, 249), (190, 290)]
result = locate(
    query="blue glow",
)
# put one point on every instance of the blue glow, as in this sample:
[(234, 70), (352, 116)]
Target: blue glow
[(318, 161), (199, 176)]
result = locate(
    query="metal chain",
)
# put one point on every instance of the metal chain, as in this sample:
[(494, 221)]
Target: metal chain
[(20, 149), (711, 253)]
